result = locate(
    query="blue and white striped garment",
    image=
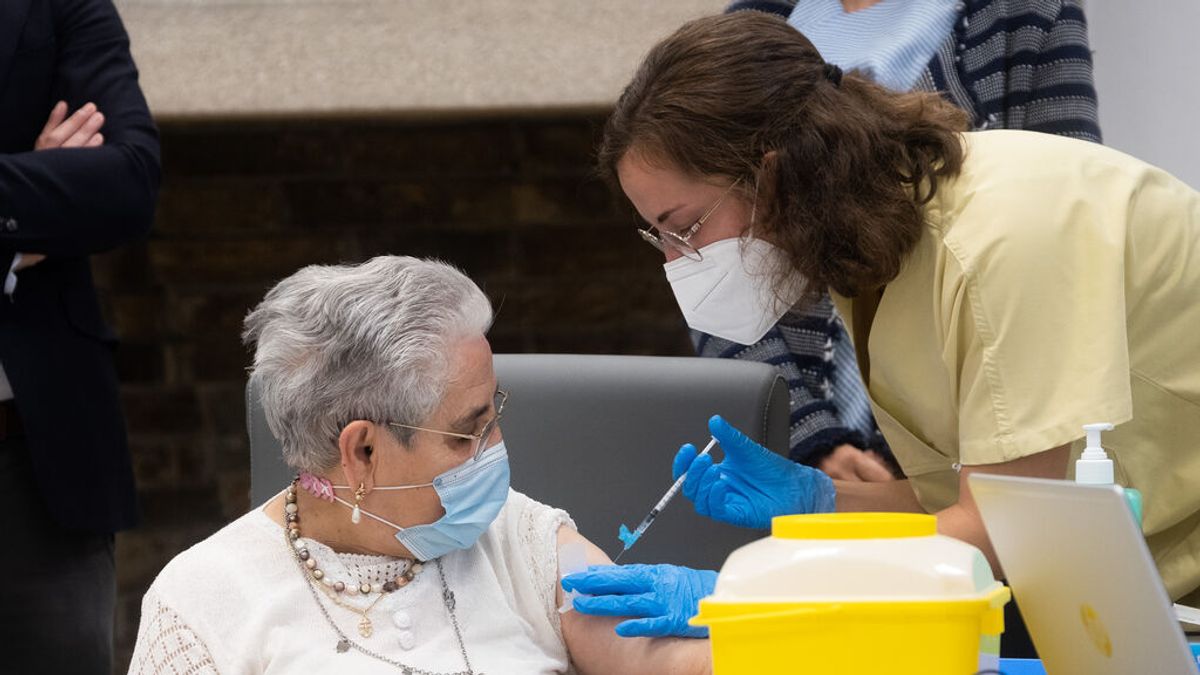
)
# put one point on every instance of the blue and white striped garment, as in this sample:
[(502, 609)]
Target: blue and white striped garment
[(890, 42), (813, 353)]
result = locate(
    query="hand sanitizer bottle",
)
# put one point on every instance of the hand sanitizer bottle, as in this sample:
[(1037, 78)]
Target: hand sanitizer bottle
[(1095, 468)]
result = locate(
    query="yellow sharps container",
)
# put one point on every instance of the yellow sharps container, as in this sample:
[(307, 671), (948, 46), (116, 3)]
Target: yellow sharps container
[(849, 593)]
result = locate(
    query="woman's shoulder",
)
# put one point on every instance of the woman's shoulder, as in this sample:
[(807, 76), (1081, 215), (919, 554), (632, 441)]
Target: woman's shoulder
[(522, 547), (1031, 155), (521, 550), (1029, 186), (519, 502), (239, 550), (524, 521), (226, 592)]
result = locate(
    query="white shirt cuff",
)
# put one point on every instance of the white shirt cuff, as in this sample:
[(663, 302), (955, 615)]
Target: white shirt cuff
[(10, 281)]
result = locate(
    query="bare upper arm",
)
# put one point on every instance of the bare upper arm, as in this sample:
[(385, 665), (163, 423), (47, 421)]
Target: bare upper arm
[(595, 648), (568, 535), (1051, 463), (963, 520)]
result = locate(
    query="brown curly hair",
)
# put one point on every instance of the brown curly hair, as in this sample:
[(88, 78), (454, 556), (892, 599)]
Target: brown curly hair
[(842, 166)]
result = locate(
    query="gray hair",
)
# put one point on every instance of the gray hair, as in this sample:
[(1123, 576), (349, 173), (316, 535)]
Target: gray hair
[(336, 343)]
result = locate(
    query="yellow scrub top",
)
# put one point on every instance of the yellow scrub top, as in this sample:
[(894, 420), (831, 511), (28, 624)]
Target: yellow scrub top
[(1057, 284)]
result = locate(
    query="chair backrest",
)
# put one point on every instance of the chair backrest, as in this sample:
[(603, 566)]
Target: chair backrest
[(595, 435)]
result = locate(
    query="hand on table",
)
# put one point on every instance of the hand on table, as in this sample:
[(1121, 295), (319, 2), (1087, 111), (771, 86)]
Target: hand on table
[(80, 130), (659, 598), (752, 484), (849, 463)]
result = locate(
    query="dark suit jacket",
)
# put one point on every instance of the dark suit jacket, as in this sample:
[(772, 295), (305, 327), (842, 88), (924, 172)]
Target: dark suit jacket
[(68, 204)]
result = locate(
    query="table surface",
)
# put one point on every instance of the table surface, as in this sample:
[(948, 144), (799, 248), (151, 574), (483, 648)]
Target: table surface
[(1034, 666)]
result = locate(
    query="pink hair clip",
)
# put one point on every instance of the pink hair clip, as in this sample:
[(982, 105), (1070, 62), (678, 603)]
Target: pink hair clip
[(317, 486)]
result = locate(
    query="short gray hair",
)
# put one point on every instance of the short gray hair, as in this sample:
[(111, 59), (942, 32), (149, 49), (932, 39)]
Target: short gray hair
[(335, 343)]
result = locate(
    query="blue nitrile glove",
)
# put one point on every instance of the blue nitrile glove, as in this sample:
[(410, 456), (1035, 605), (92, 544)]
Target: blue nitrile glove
[(752, 484), (661, 597)]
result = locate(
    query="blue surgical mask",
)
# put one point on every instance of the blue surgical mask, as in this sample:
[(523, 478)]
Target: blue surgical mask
[(472, 494)]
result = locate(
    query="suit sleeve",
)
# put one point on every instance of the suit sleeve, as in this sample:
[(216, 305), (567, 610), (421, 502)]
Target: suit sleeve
[(77, 201)]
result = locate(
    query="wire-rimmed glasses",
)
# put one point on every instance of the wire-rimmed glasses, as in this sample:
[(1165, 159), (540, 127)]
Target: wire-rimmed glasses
[(481, 438), (680, 241)]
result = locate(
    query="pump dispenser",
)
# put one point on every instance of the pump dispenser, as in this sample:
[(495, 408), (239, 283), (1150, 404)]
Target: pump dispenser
[(1095, 468)]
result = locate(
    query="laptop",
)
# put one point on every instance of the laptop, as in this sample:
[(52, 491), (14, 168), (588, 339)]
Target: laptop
[(1082, 576)]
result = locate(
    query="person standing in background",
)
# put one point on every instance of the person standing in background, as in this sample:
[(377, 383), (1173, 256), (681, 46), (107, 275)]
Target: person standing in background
[(1010, 64), (79, 175)]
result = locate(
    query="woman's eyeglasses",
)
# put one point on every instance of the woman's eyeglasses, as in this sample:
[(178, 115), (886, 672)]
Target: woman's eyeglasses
[(679, 242), (480, 438)]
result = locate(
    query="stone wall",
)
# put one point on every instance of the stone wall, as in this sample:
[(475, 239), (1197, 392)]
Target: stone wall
[(511, 200)]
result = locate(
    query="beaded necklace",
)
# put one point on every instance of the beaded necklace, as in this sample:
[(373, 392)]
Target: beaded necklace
[(292, 517), (345, 644)]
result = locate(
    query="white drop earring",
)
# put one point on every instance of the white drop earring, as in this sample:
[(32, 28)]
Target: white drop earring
[(356, 514)]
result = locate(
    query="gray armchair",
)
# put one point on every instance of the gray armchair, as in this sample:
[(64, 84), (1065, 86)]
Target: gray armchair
[(595, 435)]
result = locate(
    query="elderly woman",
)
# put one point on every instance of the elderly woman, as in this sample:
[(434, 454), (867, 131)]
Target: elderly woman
[(400, 547)]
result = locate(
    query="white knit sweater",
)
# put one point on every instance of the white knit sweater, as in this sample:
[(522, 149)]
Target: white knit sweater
[(238, 603)]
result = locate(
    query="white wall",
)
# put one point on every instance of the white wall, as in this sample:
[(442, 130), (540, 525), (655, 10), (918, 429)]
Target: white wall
[(1147, 55), (214, 58)]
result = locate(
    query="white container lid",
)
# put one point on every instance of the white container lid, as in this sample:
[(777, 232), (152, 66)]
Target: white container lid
[(854, 557)]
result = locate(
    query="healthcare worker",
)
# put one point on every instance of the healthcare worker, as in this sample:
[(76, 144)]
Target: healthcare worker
[(1011, 64), (1002, 288)]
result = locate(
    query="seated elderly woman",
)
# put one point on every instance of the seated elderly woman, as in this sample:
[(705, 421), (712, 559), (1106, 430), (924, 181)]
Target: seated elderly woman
[(400, 547)]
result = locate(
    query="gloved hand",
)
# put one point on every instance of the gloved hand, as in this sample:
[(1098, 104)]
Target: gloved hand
[(752, 484), (661, 597)]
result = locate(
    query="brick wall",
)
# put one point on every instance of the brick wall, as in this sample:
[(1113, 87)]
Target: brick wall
[(511, 201)]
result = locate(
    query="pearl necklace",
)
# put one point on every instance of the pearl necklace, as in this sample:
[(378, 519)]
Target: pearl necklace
[(344, 643), (337, 587)]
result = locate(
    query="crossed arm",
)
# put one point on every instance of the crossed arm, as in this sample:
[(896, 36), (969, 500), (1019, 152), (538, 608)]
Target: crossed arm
[(80, 130), (76, 191)]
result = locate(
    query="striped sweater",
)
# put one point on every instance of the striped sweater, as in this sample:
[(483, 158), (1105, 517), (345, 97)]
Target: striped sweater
[(1011, 64)]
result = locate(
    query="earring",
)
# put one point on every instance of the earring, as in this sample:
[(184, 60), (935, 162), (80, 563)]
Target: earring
[(356, 514)]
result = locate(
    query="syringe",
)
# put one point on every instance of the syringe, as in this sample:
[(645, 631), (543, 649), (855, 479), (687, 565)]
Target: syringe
[(629, 538)]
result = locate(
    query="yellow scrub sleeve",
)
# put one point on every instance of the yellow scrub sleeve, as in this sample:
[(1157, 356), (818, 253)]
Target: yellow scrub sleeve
[(1057, 284)]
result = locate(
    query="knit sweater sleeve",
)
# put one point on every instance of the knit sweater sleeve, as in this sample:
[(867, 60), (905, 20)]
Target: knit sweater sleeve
[(800, 348), (1062, 92), (166, 644), (1020, 65)]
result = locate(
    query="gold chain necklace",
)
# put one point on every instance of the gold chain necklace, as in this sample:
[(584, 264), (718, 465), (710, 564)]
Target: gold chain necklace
[(291, 515), (365, 627), (334, 589)]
